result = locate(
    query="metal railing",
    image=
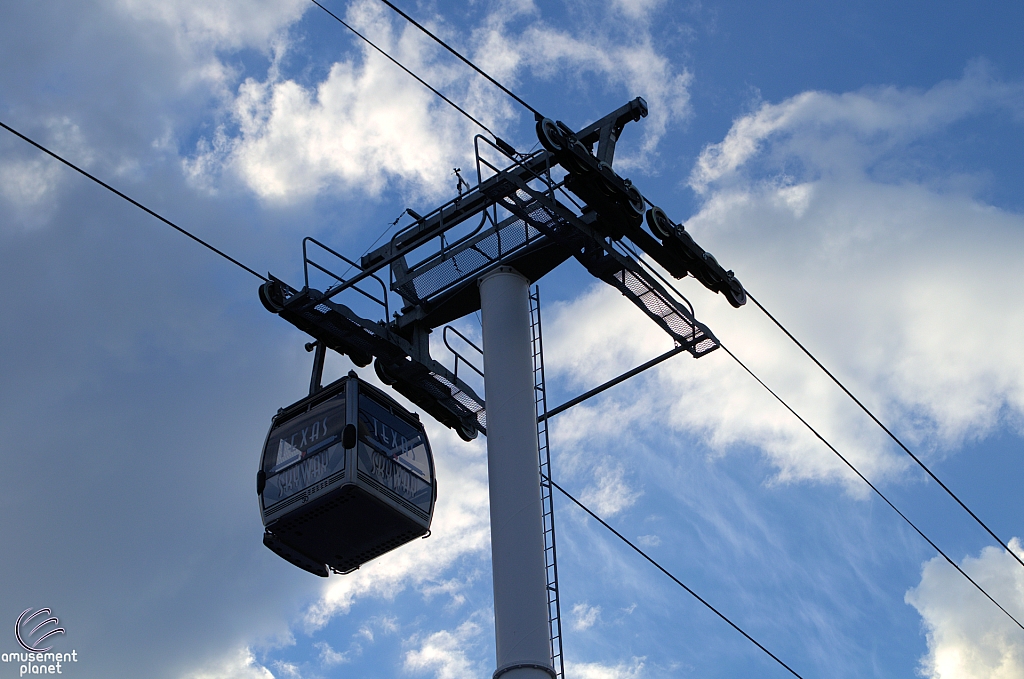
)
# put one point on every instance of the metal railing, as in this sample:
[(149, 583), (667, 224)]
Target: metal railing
[(459, 357), (307, 262)]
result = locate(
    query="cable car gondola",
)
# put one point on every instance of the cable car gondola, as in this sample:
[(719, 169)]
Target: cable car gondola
[(346, 476)]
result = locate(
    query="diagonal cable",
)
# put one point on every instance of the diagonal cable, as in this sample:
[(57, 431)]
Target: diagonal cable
[(466, 61), (134, 202), (850, 465), (672, 577), (870, 414), (871, 486), (401, 66)]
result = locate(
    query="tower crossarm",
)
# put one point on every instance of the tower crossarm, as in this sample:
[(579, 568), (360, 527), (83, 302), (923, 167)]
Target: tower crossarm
[(596, 252), (605, 132), (620, 205), (403, 364), (526, 223)]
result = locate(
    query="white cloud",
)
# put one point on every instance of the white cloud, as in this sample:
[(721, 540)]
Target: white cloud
[(648, 540), (328, 656), (611, 494), (581, 344), (287, 669), (386, 624), (896, 288), (907, 292), (26, 183), (444, 653), (584, 616), (613, 43), (837, 133), (637, 9), (632, 670), (968, 637), (28, 180), (368, 124), (240, 664), (201, 38), (360, 128), (453, 587), (591, 440), (709, 396)]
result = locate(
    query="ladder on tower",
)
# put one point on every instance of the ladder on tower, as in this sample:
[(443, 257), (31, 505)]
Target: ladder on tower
[(547, 505)]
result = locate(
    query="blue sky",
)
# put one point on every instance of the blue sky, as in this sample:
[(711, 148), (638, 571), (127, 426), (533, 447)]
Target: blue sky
[(859, 167)]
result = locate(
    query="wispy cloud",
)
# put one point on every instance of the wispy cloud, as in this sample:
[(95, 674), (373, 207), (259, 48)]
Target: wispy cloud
[(610, 494), (648, 540), (584, 616), (328, 656), (837, 133), (631, 670), (635, 66), (28, 180), (445, 653)]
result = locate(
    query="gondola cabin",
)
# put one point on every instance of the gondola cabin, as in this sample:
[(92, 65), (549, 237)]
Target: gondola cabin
[(346, 476)]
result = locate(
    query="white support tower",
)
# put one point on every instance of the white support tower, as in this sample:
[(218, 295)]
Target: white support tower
[(446, 263), (522, 634)]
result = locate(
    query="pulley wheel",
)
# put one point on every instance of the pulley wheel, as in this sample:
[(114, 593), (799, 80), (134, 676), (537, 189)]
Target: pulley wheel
[(360, 358), (272, 297), (659, 223), (550, 136), (382, 373), (576, 157), (607, 179), (735, 293), (636, 201), (465, 432)]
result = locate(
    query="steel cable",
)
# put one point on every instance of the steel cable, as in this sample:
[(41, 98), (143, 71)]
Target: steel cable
[(672, 577), (466, 61), (871, 485), (850, 465), (401, 66), (134, 202), (870, 414)]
